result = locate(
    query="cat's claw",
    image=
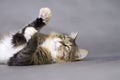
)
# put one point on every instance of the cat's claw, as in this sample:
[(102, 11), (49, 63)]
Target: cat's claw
[(45, 14)]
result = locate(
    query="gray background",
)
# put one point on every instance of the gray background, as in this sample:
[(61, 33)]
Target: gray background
[(98, 24)]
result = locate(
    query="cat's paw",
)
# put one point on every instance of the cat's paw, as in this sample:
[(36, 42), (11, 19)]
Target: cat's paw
[(29, 32), (45, 14)]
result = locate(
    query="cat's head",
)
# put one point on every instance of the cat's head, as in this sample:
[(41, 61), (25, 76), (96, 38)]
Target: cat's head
[(68, 49)]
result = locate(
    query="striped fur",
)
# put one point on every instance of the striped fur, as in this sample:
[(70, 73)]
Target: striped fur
[(36, 48)]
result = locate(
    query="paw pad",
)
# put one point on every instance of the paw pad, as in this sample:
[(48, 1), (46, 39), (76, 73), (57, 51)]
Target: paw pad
[(45, 14)]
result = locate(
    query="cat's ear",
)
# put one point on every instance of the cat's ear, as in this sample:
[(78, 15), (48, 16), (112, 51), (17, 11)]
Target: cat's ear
[(82, 53), (74, 35)]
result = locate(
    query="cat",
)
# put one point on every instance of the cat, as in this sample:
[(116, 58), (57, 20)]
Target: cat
[(30, 47)]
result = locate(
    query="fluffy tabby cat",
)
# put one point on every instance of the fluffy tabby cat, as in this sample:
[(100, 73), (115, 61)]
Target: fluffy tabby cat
[(30, 47)]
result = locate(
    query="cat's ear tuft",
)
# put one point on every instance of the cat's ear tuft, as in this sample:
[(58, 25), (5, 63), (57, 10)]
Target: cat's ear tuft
[(74, 35), (82, 53)]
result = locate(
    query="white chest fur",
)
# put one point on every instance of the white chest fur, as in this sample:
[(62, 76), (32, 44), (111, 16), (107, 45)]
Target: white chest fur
[(52, 45)]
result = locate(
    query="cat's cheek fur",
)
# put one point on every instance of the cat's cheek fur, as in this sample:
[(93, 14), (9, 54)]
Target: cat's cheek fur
[(7, 50)]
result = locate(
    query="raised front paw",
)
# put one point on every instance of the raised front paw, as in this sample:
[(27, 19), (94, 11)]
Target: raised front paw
[(45, 14), (29, 32)]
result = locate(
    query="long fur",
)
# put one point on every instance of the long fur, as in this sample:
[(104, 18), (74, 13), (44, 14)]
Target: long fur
[(7, 50), (29, 47)]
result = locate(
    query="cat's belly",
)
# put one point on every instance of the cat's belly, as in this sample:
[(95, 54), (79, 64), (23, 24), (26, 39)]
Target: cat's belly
[(7, 50)]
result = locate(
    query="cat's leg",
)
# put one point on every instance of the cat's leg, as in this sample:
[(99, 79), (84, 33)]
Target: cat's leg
[(25, 34), (43, 18), (41, 56), (23, 57)]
